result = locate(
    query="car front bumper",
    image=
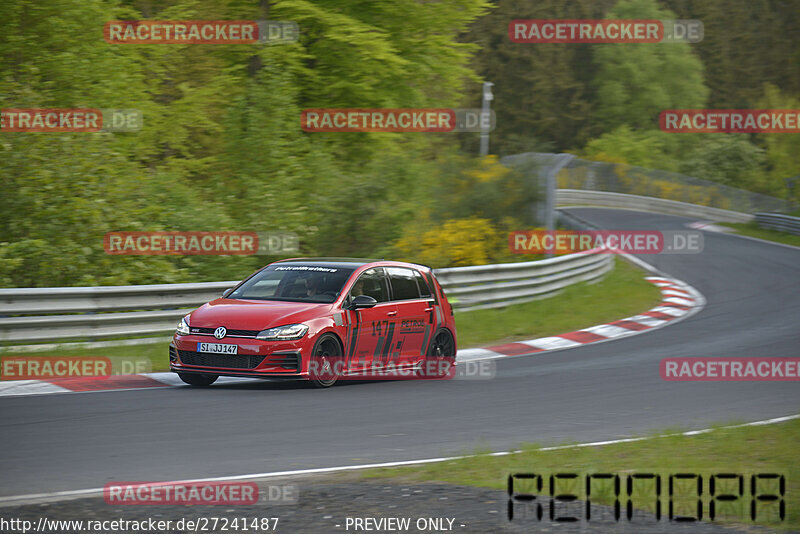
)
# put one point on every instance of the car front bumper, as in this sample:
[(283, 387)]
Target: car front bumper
[(255, 358)]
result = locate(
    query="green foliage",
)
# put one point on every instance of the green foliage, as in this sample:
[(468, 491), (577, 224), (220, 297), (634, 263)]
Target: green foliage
[(652, 149), (729, 159), (221, 147), (637, 81), (746, 43), (603, 100), (474, 203), (783, 150), (543, 98), (455, 243), (483, 188)]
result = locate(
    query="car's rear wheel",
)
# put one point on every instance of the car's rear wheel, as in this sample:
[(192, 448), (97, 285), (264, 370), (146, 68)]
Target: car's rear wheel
[(326, 362), (197, 379), (441, 355)]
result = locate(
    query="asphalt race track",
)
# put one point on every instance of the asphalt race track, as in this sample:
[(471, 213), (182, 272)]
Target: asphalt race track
[(595, 392)]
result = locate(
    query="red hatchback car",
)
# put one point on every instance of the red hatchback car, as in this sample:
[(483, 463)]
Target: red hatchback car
[(320, 320)]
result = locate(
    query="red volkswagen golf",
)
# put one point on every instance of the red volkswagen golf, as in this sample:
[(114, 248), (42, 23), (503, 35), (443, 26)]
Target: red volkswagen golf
[(320, 320)]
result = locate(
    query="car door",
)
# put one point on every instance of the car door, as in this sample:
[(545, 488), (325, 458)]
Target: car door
[(413, 312), (373, 328), (432, 309)]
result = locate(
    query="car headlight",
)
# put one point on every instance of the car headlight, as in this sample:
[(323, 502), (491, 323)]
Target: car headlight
[(291, 331), (183, 327)]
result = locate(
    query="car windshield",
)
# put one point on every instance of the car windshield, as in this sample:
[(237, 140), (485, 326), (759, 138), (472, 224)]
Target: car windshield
[(296, 283)]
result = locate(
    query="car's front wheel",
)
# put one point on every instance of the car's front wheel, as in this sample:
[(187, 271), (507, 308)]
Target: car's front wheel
[(196, 379), (326, 362)]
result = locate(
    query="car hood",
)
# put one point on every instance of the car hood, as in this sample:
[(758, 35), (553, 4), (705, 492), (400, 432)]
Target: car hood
[(244, 314)]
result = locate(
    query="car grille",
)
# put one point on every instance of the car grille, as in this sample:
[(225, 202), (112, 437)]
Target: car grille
[(228, 361), (230, 332)]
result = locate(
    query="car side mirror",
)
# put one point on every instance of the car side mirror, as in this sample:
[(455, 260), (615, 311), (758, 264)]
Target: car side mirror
[(227, 292), (362, 301)]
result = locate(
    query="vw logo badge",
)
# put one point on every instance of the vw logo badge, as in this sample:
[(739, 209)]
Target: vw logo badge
[(220, 332)]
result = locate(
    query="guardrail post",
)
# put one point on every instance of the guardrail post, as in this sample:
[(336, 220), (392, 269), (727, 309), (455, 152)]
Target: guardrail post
[(551, 172)]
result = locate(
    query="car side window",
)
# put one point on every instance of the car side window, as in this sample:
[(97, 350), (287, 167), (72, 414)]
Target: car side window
[(403, 282), (424, 289), (372, 282)]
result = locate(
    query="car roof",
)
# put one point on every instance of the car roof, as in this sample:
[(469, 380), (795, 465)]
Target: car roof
[(351, 263), (338, 262)]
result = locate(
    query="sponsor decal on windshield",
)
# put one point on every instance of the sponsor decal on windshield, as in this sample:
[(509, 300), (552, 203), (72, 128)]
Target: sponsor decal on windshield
[(305, 268)]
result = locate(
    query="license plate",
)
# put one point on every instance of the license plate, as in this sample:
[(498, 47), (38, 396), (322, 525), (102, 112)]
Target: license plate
[(218, 348)]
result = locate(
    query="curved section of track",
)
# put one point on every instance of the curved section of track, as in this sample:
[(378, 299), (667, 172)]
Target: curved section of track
[(589, 393)]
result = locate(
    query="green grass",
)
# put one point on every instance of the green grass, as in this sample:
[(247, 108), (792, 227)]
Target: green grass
[(747, 450), (752, 229), (623, 292)]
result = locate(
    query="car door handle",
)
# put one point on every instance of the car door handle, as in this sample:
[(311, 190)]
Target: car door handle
[(429, 309), (392, 313)]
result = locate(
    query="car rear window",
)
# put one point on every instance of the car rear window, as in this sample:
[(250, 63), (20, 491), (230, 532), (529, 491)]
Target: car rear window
[(300, 283), (403, 282), (424, 290)]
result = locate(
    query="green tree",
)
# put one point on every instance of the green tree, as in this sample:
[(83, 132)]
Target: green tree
[(652, 149), (746, 43), (783, 149), (221, 147), (543, 98), (637, 81), (729, 159)]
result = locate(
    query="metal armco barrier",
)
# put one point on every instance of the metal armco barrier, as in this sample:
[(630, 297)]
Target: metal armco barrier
[(494, 286), (776, 221), (568, 197), (30, 315), (98, 312)]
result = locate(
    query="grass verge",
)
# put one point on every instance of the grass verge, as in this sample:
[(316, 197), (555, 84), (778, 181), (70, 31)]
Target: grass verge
[(751, 229), (746, 450), (623, 292)]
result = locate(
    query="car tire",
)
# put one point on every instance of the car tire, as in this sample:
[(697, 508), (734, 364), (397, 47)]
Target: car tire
[(441, 358), (326, 361), (197, 379)]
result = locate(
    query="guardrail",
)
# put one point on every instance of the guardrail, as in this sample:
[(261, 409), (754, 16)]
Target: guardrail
[(493, 286), (580, 174), (34, 315), (565, 197), (98, 312), (777, 221)]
